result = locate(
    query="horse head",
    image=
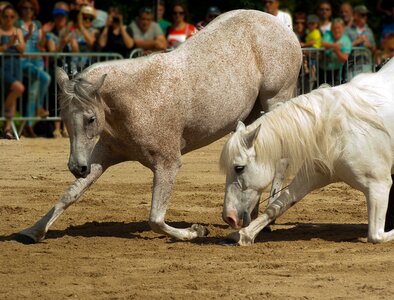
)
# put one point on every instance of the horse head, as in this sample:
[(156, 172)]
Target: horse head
[(83, 114), (245, 176)]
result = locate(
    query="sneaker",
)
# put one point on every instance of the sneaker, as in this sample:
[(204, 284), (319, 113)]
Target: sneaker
[(43, 113)]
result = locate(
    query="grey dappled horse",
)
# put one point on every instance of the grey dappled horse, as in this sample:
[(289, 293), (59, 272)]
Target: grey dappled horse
[(156, 108)]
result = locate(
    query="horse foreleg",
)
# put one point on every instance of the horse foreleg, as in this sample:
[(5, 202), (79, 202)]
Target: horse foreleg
[(163, 182), (277, 183), (377, 199), (36, 233), (298, 188)]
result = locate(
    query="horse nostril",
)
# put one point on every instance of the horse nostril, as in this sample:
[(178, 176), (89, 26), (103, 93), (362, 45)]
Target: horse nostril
[(231, 221), (83, 169)]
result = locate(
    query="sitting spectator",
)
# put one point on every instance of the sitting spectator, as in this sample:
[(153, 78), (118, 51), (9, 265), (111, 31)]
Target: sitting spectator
[(359, 33), (313, 36), (38, 79), (300, 26), (346, 13), (387, 52), (211, 14), (146, 33), (272, 7), (324, 12), (81, 37), (180, 30), (116, 37), (338, 47), (11, 41), (163, 23)]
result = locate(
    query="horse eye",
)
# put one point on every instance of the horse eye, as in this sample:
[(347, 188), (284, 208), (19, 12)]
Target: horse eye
[(91, 120), (239, 169)]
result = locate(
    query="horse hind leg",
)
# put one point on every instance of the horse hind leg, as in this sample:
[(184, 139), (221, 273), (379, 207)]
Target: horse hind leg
[(36, 233), (377, 200)]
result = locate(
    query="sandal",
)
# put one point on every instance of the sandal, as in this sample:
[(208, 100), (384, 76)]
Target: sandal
[(8, 134)]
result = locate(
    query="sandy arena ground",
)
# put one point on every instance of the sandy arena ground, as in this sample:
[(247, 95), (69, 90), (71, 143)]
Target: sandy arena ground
[(102, 247)]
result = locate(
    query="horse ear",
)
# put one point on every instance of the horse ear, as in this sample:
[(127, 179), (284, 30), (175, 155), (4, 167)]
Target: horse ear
[(240, 126), (98, 84), (61, 77), (251, 136)]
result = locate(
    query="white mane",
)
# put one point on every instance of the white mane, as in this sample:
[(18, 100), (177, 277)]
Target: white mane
[(309, 129)]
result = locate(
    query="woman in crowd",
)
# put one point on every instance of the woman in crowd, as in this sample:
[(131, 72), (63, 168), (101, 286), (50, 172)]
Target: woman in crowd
[(39, 80), (115, 36), (180, 31), (11, 41), (338, 47)]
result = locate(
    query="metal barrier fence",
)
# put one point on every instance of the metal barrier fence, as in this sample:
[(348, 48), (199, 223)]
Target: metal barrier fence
[(316, 70), (37, 73)]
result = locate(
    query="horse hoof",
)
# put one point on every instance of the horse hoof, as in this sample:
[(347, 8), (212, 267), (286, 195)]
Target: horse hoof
[(201, 231), (228, 243), (24, 239)]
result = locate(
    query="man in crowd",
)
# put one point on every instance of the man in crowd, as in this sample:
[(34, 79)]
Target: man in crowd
[(146, 33), (272, 7)]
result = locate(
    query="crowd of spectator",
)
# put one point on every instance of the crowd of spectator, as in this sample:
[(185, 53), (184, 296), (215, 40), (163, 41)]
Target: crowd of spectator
[(77, 26)]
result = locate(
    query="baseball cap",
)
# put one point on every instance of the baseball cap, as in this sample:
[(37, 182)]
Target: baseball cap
[(59, 11), (312, 19), (361, 9), (213, 10)]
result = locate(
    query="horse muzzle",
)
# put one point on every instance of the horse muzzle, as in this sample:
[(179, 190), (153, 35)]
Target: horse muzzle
[(79, 170), (237, 220)]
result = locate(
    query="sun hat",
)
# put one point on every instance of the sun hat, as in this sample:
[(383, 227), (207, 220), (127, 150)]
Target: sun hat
[(88, 10), (312, 19), (213, 10), (361, 9)]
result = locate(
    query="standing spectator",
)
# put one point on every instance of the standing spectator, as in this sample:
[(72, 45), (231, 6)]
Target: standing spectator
[(388, 25), (359, 33), (146, 33), (211, 14), (83, 30), (116, 37), (180, 31), (338, 47), (39, 80), (387, 52), (2, 5), (58, 25), (163, 23), (57, 42), (324, 11), (11, 41), (313, 37), (272, 7), (346, 13), (300, 25)]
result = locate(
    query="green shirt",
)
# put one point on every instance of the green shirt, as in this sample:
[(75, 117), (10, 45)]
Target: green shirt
[(331, 61)]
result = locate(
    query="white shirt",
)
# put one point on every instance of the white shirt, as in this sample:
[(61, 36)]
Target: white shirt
[(285, 18)]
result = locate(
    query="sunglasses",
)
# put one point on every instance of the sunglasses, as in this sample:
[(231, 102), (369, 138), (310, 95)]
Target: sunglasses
[(88, 19), (27, 8), (178, 13), (9, 17), (299, 22)]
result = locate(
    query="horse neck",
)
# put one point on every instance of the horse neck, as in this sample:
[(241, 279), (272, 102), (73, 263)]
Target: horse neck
[(293, 131)]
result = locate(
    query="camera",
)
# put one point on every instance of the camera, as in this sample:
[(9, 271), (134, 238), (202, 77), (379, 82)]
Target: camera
[(116, 19)]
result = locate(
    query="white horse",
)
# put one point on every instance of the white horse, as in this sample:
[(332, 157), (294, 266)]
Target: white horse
[(156, 108), (343, 133)]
